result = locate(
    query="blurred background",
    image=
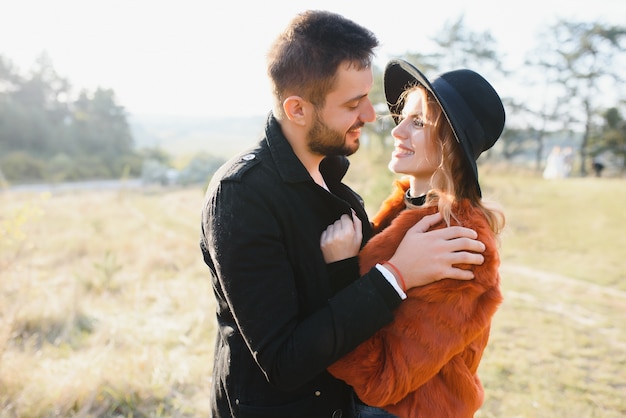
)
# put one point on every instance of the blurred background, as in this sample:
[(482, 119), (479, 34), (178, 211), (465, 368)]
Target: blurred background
[(114, 115), (105, 89)]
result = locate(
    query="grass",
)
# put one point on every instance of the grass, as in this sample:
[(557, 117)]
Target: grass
[(574, 226), (558, 345), (106, 308)]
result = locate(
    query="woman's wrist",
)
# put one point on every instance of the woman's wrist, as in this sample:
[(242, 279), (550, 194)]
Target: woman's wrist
[(396, 273), (391, 278)]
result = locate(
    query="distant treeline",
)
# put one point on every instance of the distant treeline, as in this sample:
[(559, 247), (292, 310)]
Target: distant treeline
[(49, 134), (572, 82)]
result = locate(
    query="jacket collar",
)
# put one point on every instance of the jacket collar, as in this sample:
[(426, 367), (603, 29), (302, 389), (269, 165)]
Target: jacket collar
[(290, 168)]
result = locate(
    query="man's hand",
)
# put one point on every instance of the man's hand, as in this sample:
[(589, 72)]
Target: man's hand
[(426, 256)]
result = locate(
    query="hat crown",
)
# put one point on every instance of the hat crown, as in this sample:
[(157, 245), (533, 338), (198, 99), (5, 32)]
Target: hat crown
[(470, 99)]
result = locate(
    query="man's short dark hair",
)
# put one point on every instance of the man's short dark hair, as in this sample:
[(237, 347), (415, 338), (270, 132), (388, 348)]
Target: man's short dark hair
[(304, 59)]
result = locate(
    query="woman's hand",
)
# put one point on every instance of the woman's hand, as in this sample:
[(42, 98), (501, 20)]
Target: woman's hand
[(342, 239)]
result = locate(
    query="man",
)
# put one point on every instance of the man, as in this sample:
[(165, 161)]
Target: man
[(281, 321)]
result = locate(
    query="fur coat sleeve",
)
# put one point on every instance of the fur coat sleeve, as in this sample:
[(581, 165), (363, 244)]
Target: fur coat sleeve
[(425, 362)]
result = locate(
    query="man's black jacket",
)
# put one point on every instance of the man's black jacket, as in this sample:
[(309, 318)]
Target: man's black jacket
[(281, 321)]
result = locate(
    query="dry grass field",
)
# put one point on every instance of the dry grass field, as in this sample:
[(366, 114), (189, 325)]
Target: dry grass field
[(106, 309)]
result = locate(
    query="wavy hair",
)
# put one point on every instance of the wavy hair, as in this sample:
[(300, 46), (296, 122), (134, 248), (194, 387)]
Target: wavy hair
[(453, 179)]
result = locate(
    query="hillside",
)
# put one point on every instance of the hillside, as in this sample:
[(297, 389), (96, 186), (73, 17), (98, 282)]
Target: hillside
[(188, 135)]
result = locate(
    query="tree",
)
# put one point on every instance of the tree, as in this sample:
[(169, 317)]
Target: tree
[(9, 77), (43, 96), (100, 128), (579, 63), (611, 137), (460, 47), (532, 130), (40, 121)]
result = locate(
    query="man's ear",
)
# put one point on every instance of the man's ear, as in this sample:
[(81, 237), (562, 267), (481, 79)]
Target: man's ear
[(296, 109)]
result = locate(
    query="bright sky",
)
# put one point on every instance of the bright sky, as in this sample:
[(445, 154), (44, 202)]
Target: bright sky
[(207, 57)]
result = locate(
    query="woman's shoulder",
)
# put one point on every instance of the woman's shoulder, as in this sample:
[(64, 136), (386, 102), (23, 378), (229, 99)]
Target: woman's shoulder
[(471, 216)]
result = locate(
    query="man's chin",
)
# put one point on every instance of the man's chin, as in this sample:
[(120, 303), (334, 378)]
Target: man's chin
[(345, 151), (354, 147), (352, 150)]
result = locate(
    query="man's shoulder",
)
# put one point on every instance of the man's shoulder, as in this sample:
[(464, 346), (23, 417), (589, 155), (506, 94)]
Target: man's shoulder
[(237, 167), (243, 167)]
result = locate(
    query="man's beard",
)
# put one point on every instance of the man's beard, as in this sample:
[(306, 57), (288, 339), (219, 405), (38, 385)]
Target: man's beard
[(323, 140)]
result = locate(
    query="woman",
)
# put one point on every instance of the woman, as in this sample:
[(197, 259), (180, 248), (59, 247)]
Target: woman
[(424, 364)]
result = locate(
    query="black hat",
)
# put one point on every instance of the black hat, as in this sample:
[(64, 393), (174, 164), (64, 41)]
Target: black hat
[(469, 102)]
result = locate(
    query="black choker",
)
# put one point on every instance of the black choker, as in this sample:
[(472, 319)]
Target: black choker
[(415, 201)]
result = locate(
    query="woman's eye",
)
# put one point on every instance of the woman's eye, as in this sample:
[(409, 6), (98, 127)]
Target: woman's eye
[(418, 122)]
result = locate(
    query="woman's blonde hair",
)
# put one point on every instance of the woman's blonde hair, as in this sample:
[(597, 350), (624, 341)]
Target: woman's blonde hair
[(453, 179)]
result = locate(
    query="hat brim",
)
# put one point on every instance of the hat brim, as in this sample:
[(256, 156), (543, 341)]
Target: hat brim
[(400, 75)]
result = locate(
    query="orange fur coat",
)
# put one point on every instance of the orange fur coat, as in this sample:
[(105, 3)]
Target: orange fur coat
[(424, 364)]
